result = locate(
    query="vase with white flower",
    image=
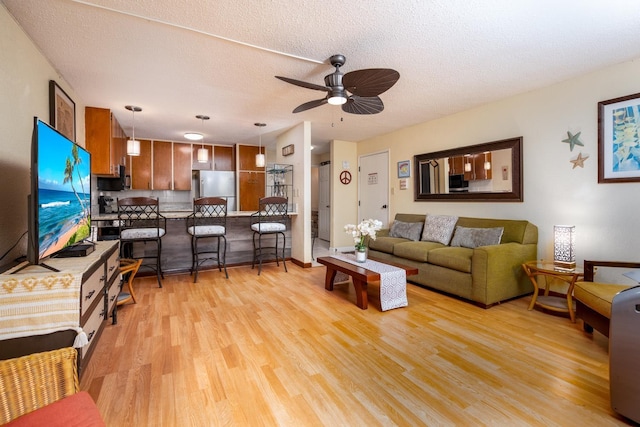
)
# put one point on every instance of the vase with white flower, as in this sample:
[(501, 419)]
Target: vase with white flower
[(366, 229)]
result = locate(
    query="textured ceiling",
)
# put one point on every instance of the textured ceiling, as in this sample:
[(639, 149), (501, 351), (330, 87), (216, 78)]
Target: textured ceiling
[(179, 58)]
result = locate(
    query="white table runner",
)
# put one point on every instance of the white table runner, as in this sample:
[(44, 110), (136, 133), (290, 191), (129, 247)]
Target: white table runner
[(393, 281)]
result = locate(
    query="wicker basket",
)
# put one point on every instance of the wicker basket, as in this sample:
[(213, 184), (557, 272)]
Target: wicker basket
[(30, 382)]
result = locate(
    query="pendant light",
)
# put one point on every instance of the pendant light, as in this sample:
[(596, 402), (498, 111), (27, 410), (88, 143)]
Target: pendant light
[(203, 153), (260, 156), (487, 163), (467, 164), (133, 145)]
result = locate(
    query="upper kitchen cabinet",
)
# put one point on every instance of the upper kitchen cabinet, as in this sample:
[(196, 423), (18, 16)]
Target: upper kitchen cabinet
[(171, 165), (141, 167), (247, 157), (223, 158), (181, 166), (162, 165), (105, 140)]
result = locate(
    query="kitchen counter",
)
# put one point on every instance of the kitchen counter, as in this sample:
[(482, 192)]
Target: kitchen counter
[(178, 215), (176, 243)]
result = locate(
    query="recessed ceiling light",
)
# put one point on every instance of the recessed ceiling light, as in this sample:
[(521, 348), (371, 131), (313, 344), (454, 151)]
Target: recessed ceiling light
[(193, 136)]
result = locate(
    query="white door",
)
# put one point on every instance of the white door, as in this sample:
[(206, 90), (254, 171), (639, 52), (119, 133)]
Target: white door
[(374, 187), (324, 207)]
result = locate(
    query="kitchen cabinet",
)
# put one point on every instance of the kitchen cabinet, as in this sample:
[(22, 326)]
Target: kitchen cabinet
[(456, 165), (223, 158), (162, 167), (141, 167), (182, 166), (247, 157), (105, 140), (479, 166), (251, 178)]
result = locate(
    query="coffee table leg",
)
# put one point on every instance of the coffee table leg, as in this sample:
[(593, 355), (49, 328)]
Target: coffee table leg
[(361, 293), (328, 279)]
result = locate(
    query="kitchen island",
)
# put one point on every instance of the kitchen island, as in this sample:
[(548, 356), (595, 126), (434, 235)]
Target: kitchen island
[(176, 243)]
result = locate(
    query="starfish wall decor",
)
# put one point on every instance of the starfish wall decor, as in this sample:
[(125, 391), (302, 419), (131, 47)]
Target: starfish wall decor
[(579, 161), (573, 140)]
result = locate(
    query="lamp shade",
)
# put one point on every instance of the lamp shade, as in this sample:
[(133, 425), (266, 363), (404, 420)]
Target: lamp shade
[(133, 147), (203, 155), (564, 239), (260, 160)]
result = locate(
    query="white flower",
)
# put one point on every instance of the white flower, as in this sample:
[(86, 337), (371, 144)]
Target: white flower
[(367, 227)]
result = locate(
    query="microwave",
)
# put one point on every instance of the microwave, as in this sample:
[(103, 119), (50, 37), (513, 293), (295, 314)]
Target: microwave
[(457, 183)]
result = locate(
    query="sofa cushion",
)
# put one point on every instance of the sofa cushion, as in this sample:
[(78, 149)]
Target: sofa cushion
[(406, 230), (415, 251), (385, 244), (439, 228), (457, 258), (514, 230), (474, 237)]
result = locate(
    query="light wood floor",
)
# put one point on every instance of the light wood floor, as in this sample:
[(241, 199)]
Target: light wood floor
[(281, 350)]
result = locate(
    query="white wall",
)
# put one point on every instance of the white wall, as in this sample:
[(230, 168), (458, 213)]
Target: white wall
[(24, 85), (344, 198), (605, 215)]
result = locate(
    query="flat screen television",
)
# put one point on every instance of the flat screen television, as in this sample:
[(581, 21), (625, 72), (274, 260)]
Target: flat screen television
[(60, 200)]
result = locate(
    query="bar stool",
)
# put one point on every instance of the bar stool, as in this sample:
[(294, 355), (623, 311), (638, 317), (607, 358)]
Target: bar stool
[(270, 219), (208, 220), (140, 221)]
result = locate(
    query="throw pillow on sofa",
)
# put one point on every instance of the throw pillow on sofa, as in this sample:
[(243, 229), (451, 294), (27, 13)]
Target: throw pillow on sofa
[(406, 230), (439, 228), (474, 237)]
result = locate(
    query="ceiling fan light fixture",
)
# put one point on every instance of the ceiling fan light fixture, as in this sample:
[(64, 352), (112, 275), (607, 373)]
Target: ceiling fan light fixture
[(193, 136), (337, 97)]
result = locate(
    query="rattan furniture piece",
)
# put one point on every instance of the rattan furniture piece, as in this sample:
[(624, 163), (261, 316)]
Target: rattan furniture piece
[(271, 219), (43, 389), (140, 221), (208, 221)]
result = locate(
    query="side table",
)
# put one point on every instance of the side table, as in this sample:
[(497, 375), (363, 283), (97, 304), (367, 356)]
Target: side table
[(562, 304)]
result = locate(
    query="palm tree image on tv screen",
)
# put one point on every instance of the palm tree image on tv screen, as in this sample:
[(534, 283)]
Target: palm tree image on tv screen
[(64, 195)]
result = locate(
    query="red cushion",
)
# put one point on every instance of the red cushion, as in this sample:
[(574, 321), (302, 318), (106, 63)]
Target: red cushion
[(77, 410)]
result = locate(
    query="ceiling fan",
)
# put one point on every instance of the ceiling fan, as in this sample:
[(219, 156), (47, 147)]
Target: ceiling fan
[(364, 86)]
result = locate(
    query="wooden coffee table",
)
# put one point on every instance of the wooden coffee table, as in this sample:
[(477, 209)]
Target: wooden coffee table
[(360, 276)]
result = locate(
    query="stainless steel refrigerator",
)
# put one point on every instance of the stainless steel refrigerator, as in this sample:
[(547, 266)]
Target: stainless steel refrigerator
[(217, 184)]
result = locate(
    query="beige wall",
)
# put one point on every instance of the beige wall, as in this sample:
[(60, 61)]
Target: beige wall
[(24, 85), (605, 215), (344, 198)]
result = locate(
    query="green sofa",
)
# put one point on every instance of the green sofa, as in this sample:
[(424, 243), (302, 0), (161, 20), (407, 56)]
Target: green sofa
[(485, 275)]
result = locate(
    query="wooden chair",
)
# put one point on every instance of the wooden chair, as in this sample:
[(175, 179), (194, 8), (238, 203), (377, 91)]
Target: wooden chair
[(271, 219), (128, 268), (593, 299), (208, 221), (140, 221), (37, 387)]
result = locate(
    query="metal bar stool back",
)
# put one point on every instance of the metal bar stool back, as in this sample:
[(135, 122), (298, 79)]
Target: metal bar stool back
[(140, 221), (271, 219), (208, 220)]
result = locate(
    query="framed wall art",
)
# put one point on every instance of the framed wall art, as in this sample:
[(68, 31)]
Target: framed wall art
[(404, 169), (62, 111), (288, 150), (618, 139)]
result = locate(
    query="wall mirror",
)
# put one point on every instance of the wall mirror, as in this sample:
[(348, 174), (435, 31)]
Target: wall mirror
[(482, 172)]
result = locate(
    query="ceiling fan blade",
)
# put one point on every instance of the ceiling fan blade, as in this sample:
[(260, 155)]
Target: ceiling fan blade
[(303, 84), (370, 82), (363, 105), (309, 105)]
